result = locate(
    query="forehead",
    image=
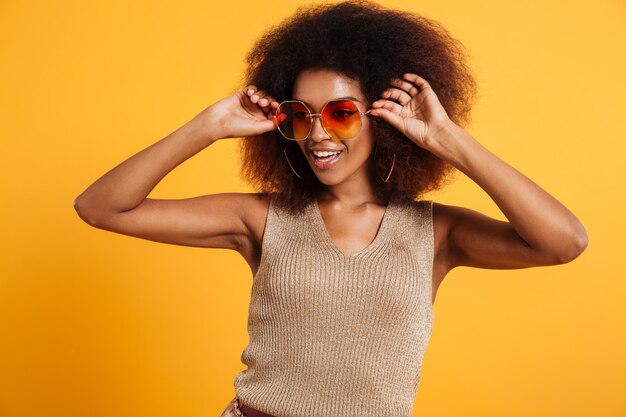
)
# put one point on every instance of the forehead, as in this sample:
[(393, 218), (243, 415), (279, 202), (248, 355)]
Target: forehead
[(317, 86)]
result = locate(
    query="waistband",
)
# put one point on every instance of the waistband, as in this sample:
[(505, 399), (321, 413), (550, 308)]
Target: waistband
[(251, 412)]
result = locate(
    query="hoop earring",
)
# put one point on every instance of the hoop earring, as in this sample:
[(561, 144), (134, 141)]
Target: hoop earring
[(289, 162), (393, 163)]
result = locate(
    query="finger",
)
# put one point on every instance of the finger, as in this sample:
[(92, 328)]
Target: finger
[(278, 119), (267, 125), (416, 79), (265, 101), (408, 87), (398, 95), (392, 106), (389, 117), (271, 111), (257, 96), (249, 90), (268, 104)]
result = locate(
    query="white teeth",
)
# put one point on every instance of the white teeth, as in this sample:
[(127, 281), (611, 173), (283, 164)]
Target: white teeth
[(324, 153)]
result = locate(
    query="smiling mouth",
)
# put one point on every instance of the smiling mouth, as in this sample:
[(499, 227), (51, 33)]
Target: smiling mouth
[(326, 161)]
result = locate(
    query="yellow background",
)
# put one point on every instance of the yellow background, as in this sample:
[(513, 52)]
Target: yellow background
[(95, 324)]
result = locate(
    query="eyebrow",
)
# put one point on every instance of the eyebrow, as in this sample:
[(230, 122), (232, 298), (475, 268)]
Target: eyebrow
[(338, 98)]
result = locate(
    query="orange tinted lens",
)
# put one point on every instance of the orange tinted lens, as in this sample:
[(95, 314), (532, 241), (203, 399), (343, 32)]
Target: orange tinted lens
[(341, 119), (294, 120)]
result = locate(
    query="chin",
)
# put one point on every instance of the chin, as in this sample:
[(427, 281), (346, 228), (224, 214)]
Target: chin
[(327, 178)]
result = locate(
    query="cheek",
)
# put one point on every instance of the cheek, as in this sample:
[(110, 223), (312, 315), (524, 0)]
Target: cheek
[(363, 145)]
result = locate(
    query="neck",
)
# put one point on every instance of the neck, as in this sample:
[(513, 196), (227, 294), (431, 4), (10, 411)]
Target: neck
[(354, 191)]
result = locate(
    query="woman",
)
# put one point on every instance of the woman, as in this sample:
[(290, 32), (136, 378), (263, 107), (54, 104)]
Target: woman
[(351, 112)]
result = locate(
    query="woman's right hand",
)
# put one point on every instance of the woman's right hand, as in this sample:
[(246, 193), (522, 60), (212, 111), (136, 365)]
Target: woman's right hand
[(248, 112)]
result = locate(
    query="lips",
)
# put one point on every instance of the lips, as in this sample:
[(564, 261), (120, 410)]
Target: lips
[(326, 161), (325, 150)]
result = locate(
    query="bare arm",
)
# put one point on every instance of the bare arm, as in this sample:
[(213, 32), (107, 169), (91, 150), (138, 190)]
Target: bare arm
[(117, 200), (540, 230)]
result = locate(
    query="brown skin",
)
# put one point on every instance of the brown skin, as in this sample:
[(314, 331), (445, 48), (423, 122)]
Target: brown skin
[(540, 230), (347, 181)]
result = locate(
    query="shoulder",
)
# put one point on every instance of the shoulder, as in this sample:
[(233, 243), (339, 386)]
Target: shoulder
[(423, 209), (444, 218), (447, 217), (457, 228), (254, 208)]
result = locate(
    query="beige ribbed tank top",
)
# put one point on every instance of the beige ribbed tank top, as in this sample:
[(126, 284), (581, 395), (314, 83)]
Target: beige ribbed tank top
[(332, 333)]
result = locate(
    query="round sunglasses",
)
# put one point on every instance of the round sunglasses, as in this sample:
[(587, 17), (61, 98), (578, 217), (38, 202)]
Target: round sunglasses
[(341, 119)]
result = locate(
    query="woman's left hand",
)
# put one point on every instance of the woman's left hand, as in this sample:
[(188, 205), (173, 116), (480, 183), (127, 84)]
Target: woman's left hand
[(412, 107)]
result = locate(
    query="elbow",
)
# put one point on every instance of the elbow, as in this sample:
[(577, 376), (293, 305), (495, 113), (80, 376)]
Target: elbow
[(83, 213), (572, 247)]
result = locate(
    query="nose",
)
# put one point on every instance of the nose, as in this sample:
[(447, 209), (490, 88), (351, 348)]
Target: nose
[(318, 133)]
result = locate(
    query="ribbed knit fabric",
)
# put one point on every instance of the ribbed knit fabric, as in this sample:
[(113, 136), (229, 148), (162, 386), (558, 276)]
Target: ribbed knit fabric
[(334, 334)]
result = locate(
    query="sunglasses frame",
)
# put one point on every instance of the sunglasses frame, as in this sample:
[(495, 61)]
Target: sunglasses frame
[(313, 115)]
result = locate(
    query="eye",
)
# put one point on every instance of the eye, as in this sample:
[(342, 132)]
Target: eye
[(300, 115), (340, 114)]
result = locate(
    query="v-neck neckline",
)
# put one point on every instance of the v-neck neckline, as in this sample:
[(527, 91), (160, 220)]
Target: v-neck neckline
[(380, 233)]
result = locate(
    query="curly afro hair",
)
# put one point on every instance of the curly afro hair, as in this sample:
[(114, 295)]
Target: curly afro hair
[(372, 45)]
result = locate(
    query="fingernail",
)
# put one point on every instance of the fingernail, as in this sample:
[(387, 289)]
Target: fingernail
[(262, 101), (250, 91)]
